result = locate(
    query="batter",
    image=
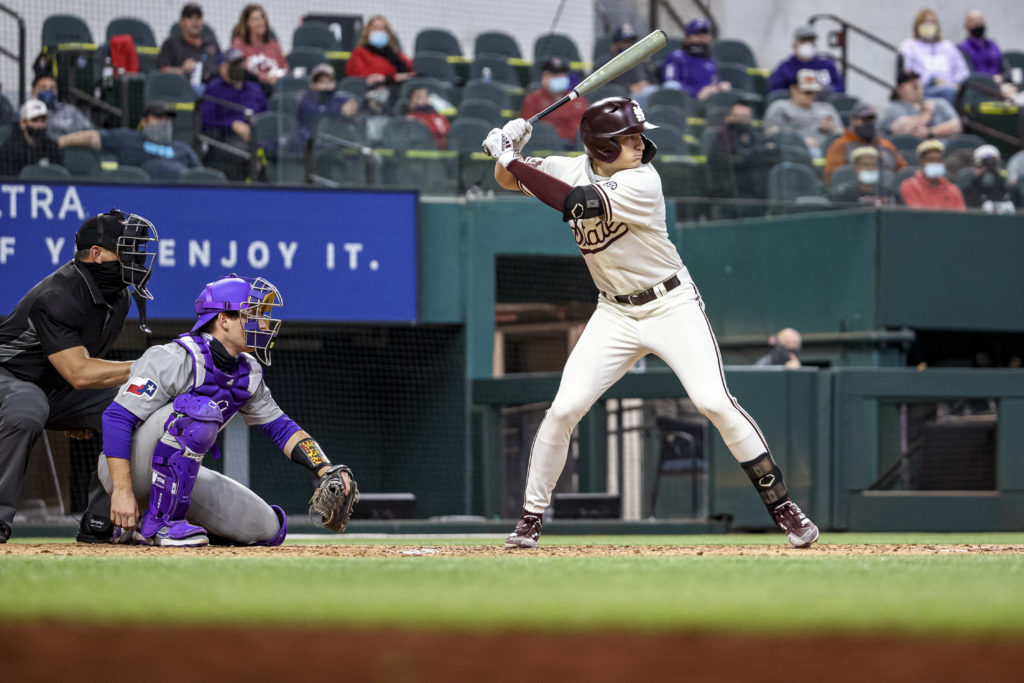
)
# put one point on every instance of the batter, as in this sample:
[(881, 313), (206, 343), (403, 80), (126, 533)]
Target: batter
[(612, 200)]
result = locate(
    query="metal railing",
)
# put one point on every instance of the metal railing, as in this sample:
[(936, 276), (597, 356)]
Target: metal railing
[(838, 39), (203, 141), (19, 57)]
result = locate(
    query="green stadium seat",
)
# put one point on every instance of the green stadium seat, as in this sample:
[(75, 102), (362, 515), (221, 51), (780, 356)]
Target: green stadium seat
[(353, 84), (555, 45), (467, 133), (65, 29), (306, 57), (608, 90), (842, 175), (963, 141), (202, 176), (669, 139), (82, 161), (486, 90), (402, 134), (788, 180), (434, 65), (481, 110), (674, 97), (291, 84), (437, 40), (501, 70), (284, 103), (733, 50), (315, 34), (660, 114), (497, 43), (736, 74), (44, 172), (139, 30), (125, 174)]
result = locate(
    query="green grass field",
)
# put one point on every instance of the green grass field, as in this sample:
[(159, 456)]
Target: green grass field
[(952, 593)]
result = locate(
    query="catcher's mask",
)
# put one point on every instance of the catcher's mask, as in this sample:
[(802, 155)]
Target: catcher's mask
[(606, 119), (254, 298)]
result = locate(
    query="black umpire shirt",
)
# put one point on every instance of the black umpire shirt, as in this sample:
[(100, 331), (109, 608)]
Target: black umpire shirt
[(65, 310)]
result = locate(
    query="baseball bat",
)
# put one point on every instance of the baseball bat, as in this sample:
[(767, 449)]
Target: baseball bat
[(616, 66)]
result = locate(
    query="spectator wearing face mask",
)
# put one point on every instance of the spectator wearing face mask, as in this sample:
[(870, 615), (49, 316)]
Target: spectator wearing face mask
[(152, 147), (938, 61), (929, 188), (805, 56), (988, 190), (421, 110), (28, 144), (739, 157), (786, 345), (867, 189), (911, 114), (862, 131), (322, 100), (985, 55), (554, 84), (231, 86), (377, 52), (64, 118), (692, 68)]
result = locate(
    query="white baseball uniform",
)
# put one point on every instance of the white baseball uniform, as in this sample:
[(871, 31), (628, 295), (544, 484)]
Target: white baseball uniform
[(628, 251)]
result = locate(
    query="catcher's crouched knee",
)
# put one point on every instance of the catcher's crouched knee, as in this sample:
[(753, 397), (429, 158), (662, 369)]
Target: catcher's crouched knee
[(330, 506)]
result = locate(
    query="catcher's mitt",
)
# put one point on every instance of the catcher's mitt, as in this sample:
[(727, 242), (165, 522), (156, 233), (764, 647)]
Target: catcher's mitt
[(330, 502)]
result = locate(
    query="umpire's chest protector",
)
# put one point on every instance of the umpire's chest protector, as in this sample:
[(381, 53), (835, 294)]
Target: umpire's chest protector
[(229, 390)]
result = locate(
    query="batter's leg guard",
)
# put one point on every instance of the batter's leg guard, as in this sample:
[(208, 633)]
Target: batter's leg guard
[(189, 433), (767, 479)]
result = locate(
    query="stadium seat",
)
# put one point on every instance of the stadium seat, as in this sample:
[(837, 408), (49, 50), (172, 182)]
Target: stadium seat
[(787, 181), (341, 128), (434, 65), (788, 136), (608, 90), (963, 141), (660, 114), (437, 40), (402, 134), (306, 57), (844, 104), (62, 29), (467, 133), (168, 87), (842, 175), (501, 70), (963, 177), (545, 138), (353, 84), (291, 84), (284, 103), (717, 105), (674, 97), (975, 89), (315, 34), (125, 174), (484, 110), (139, 30), (497, 43), (669, 139), (484, 90), (1013, 59), (602, 48), (733, 50), (272, 128), (550, 45), (82, 161), (44, 172), (736, 74), (906, 144), (202, 176)]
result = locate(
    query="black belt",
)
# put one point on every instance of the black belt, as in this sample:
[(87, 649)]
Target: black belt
[(646, 296)]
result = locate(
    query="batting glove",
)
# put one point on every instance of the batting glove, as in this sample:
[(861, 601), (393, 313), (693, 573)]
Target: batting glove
[(518, 131), (500, 146)]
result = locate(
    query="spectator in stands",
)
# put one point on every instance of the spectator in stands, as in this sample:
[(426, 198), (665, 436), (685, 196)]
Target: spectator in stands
[(786, 345), (929, 188), (554, 83), (421, 110), (28, 143), (375, 108), (814, 120), (692, 68), (377, 52), (321, 99), (220, 119), (862, 131), (64, 117), (254, 38), (868, 188), (985, 56), (152, 147), (190, 54), (988, 189), (639, 79), (938, 61), (805, 56), (740, 157), (911, 114)]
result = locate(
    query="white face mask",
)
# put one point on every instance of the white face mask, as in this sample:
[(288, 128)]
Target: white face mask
[(927, 30), (934, 170), (868, 177), (558, 83), (805, 51)]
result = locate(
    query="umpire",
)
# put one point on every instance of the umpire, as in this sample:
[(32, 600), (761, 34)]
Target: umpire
[(51, 374)]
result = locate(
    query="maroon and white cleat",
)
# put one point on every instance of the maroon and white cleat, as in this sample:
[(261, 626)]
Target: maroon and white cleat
[(800, 531)]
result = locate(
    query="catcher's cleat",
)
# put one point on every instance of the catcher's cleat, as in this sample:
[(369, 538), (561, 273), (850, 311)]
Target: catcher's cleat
[(5, 531), (526, 533), (122, 536), (180, 534), (800, 531)]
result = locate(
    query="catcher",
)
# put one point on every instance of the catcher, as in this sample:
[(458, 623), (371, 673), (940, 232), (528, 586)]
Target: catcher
[(167, 416)]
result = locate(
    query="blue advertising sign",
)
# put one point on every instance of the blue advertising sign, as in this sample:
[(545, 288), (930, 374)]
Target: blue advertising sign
[(335, 254)]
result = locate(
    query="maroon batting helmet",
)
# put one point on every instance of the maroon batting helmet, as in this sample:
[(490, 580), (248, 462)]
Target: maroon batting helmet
[(612, 116)]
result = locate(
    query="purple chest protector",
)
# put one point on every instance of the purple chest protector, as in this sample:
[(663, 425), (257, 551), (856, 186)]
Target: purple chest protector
[(189, 433)]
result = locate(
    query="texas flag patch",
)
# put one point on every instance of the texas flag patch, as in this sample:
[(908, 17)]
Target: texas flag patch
[(143, 387)]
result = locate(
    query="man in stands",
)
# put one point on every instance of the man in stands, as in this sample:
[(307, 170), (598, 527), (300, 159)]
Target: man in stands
[(805, 56), (929, 188)]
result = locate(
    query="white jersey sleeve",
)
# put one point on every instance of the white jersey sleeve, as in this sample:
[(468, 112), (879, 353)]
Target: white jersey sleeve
[(633, 196), (157, 376), (261, 408)]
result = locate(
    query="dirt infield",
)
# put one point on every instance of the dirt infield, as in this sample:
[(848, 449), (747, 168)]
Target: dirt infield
[(496, 550), (60, 652)]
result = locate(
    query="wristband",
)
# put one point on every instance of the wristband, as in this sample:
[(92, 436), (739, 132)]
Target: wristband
[(309, 454)]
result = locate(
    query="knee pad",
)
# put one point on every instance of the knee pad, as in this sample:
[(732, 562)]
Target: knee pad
[(278, 538)]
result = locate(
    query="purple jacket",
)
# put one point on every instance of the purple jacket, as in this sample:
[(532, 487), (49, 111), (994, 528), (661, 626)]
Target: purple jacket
[(825, 68), (215, 116), (984, 54), (693, 73)]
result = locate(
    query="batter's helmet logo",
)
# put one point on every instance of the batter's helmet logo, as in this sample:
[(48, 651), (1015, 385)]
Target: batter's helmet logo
[(639, 113), (143, 387)]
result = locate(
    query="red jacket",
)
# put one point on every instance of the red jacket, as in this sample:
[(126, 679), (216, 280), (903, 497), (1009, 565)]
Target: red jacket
[(565, 119), (918, 193), (363, 62)]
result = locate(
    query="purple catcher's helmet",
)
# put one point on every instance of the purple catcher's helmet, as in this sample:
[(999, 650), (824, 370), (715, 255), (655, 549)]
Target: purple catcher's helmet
[(255, 297), (605, 119)]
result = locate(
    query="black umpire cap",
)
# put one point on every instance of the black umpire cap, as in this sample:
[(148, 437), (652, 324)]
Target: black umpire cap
[(102, 230)]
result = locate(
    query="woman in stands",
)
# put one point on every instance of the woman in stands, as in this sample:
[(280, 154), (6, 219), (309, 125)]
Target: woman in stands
[(263, 56), (377, 52), (938, 61)]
